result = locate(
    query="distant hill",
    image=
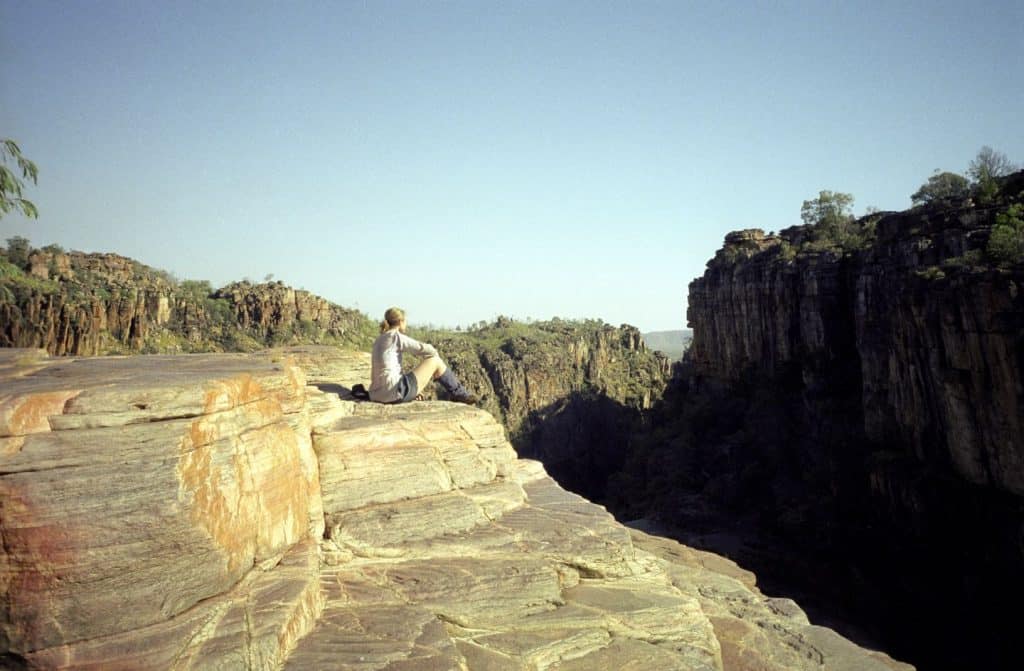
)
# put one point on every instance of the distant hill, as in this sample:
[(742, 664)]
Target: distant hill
[(672, 343), (89, 304)]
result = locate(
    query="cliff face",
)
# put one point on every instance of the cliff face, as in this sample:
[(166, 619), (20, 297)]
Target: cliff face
[(569, 393), (930, 346), (942, 357), (215, 511), (880, 394), (524, 369), (88, 304)]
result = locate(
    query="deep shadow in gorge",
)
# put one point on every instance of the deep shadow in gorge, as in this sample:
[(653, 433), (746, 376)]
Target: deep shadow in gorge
[(582, 440), (751, 472), (848, 424)]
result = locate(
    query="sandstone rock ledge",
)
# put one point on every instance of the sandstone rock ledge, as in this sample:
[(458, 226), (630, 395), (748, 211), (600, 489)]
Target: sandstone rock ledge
[(218, 512)]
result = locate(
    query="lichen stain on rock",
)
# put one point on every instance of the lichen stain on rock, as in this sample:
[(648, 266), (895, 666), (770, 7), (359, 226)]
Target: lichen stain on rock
[(210, 486), (21, 415), (230, 467), (271, 459), (231, 393)]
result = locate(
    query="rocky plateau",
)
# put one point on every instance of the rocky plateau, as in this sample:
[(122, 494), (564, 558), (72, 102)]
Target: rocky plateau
[(240, 511)]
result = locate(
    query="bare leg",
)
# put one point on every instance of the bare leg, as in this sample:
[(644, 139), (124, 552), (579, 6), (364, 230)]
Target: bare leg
[(428, 370)]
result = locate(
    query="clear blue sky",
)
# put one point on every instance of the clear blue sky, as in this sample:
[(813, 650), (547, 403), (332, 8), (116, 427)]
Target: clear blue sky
[(470, 159)]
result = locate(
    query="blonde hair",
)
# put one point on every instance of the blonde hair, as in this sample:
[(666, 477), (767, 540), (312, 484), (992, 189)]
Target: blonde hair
[(392, 318)]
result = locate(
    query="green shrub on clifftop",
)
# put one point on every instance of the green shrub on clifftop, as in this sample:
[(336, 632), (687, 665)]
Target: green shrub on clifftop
[(18, 250), (986, 169), (1006, 242), (940, 186), (15, 282), (197, 290), (832, 224)]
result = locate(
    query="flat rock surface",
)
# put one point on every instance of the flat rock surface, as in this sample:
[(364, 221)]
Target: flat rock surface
[(139, 495), (239, 511)]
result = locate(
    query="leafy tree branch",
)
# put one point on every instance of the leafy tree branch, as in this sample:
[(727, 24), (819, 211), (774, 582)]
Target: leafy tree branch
[(10, 184)]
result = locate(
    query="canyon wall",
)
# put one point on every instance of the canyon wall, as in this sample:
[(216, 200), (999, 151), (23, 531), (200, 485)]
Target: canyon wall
[(235, 511), (929, 343), (894, 374), (569, 393), (89, 304)]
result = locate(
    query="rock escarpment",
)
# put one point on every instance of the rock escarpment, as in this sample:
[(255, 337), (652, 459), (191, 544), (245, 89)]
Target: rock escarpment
[(896, 379), (215, 511), (930, 345), (569, 393), (88, 304)]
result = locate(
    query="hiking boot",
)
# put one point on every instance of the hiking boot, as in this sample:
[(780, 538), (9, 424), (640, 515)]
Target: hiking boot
[(456, 391)]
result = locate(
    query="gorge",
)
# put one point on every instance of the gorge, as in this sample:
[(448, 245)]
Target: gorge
[(858, 413), (847, 423)]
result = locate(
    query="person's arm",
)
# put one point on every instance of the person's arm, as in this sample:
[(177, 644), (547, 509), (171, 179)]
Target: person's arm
[(418, 348)]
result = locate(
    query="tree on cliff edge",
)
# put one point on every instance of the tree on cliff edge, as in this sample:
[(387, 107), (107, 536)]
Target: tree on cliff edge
[(830, 217), (10, 184), (828, 209), (940, 186), (986, 168), (988, 164)]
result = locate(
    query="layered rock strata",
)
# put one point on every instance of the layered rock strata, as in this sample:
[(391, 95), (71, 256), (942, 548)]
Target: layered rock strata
[(151, 508), (215, 511), (927, 343)]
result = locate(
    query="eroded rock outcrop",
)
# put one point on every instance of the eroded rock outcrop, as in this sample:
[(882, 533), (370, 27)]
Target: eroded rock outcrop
[(569, 393), (88, 304), (216, 511)]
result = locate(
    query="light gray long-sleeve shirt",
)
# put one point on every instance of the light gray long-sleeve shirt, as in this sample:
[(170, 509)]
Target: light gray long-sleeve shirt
[(386, 368)]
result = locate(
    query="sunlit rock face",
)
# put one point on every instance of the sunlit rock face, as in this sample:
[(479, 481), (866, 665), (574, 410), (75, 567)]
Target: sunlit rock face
[(241, 511), (138, 492), (88, 304)]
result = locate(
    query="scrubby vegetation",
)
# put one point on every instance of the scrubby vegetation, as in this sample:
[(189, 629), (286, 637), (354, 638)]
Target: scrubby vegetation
[(985, 171), (1006, 242), (514, 336), (830, 227)]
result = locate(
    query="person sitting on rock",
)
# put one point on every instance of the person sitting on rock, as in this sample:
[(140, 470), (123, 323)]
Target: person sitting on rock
[(389, 385)]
